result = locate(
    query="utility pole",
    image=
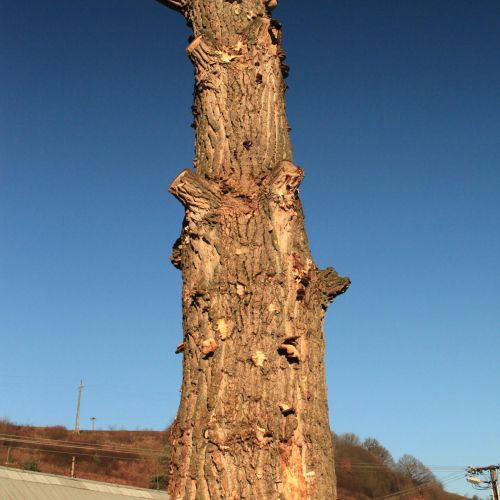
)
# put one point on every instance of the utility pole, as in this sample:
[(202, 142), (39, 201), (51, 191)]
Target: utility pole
[(494, 481), (77, 421), (492, 469)]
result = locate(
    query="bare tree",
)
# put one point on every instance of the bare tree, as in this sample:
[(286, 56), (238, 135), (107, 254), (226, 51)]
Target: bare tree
[(347, 439), (253, 417), (415, 470), (379, 451)]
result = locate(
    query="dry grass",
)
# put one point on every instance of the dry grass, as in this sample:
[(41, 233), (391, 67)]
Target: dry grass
[(132, 457), (124, 457)]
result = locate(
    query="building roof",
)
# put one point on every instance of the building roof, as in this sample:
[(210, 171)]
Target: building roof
[(22, 485)]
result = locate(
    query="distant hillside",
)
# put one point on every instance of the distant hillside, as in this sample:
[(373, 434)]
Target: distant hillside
[(365, 471), (115, 456)]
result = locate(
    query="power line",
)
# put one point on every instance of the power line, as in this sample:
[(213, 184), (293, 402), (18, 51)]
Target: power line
[(155, 452), (449, 479), (80, 454), (73, 446), (55, 442), (75, 443), (361, 465), (145, 454)]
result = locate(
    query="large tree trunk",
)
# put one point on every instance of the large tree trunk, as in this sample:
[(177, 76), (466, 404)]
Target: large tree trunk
[(253, 416)]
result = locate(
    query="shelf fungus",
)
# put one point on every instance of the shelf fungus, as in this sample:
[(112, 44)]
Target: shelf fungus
[(270, 4), (290, 351), (180, 348), (263, 438), (293, 339), (286, 409), (208, 347)]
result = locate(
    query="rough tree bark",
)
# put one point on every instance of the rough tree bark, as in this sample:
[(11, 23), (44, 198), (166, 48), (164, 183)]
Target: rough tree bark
[(253, 417)]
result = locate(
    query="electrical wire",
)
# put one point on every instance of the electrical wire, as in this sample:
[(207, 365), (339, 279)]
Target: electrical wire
[(442, 468), (36, 444), (80, 454), (446, 480), (75, 444), (155, 452), (367, 465), (41, 444)]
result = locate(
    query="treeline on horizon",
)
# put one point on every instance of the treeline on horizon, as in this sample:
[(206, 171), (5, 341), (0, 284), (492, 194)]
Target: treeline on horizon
[(366, 470)]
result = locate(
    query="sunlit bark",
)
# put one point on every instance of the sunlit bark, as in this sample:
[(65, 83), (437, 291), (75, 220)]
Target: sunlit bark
[(253, 417)]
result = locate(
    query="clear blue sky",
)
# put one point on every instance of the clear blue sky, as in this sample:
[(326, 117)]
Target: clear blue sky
[(395, 109)]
